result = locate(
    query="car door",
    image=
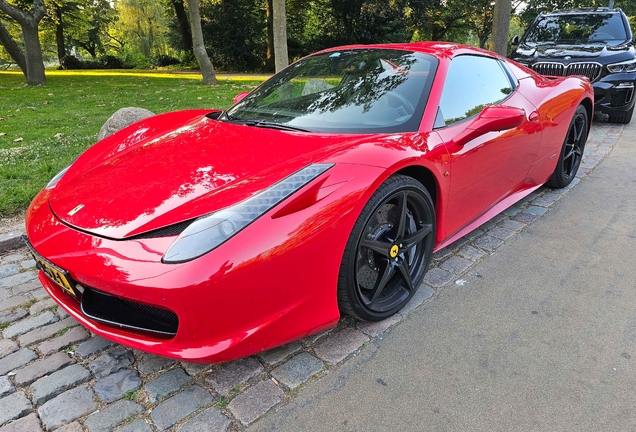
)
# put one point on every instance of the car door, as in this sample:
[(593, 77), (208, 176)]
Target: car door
[(491, 167)]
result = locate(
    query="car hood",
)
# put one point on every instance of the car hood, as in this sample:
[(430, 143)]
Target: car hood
[(143, 178), (567, 53)]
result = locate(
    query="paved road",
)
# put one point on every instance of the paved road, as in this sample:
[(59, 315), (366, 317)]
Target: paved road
[(542, 337)]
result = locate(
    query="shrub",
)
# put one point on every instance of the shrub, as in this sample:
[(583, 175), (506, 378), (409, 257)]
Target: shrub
[(111, 62), (165, 60), (70, 62)]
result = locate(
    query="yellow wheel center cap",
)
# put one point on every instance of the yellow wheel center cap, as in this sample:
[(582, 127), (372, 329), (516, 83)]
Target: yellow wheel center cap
[(394, 251)]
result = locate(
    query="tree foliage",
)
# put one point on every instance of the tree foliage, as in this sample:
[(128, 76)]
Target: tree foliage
[(238, 34)]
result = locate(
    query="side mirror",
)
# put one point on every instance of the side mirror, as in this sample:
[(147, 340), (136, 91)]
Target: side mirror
[(515, 40), (239, 97), (491, 119)]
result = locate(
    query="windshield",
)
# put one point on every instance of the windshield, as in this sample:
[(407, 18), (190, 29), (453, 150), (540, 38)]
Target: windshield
[(348, 91), (577, 28)]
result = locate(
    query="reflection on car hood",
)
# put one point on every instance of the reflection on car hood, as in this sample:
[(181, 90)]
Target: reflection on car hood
[(566, 53), (143, 179)]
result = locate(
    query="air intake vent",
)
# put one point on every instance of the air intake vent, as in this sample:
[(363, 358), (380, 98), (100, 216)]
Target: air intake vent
[(170, 230), (128, 314)]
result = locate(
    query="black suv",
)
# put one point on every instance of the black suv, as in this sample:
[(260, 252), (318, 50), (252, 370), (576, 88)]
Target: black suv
[(596, 43)]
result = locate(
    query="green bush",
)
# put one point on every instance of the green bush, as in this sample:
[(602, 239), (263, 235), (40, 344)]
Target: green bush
[(164, 60), (105, 62)]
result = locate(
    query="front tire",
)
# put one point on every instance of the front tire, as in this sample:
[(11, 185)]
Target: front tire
[(571, 151), (388, 251)]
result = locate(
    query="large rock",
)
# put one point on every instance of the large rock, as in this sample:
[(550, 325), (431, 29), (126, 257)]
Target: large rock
[(122, 118)]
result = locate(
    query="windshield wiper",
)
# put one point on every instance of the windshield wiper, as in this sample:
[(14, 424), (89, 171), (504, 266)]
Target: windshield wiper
[(270, 125)]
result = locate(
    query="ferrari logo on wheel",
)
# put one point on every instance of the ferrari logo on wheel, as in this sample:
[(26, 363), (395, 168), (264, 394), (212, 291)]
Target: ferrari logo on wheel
[(394, 251)]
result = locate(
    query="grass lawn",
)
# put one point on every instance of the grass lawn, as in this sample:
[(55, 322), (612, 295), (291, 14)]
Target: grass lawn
[(42, 129)]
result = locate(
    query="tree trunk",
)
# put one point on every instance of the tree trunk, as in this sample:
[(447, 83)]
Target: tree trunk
[(270, 62), (184, 25), (207, 70), (59, 34), (13, 49), (29, 21), (33, 55), (500, 27), (280, 34)]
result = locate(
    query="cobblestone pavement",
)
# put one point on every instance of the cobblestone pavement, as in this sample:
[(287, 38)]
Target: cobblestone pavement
[(55, 375)]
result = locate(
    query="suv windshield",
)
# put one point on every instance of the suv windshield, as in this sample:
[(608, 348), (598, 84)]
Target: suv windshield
[(576, 28), (348, 91)]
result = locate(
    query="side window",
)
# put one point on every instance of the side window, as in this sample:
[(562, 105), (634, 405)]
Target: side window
[(472, 83)]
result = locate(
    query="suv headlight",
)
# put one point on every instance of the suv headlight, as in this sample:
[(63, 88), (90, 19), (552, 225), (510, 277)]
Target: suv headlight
[(626, 66), (210, 231)]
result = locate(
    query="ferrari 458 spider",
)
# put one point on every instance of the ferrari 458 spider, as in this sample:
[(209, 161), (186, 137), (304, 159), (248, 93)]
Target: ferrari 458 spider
[(211, 235)]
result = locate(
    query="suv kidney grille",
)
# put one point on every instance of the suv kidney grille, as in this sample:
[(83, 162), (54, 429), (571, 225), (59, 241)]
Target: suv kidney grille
[(590, 70)]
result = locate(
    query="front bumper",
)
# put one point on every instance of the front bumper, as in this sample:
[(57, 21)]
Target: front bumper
[(272, 283), (614, 94)]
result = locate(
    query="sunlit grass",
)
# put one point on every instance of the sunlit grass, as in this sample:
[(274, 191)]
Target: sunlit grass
[(43, 128)]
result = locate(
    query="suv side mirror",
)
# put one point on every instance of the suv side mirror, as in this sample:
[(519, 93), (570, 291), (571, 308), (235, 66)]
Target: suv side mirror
[(515, 40)]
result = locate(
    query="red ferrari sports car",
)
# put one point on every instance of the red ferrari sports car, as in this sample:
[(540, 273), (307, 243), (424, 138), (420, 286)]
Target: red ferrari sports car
[(212, 235)]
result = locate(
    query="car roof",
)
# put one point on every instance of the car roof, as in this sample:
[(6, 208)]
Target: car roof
[(579, 11), (433, 48)]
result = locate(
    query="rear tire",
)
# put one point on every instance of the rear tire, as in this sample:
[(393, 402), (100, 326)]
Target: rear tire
[(571, 150), (388, 250), (622, 118)]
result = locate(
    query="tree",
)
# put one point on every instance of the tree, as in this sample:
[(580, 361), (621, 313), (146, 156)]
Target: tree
[(89, 27), (12, 48), (437, 19), (481, 20), (207, 70), (500, 27), (280, 34), (31, 58), (269, 12), (184, 25)]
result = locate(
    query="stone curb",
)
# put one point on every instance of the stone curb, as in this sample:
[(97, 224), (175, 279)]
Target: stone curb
[(11, 240)]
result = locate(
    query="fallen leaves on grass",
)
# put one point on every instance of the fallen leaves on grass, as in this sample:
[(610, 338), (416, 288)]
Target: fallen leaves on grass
[(57, 135), (3, 133), (18, 140)]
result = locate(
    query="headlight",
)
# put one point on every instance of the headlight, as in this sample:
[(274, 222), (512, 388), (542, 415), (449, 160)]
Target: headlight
[(626, 66), (208, 232), (51, 184)]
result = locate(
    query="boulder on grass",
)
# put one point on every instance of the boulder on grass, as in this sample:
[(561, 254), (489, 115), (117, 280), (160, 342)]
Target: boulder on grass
[(122, 118)]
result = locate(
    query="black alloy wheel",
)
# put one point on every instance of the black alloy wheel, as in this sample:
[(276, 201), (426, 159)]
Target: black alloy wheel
[(388, 251), (571, 151)]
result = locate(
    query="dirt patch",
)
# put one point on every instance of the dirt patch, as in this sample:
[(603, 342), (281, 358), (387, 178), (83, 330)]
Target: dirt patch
[(15, 223)]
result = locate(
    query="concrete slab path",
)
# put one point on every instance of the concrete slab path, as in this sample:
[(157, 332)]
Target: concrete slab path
[(541, 336)]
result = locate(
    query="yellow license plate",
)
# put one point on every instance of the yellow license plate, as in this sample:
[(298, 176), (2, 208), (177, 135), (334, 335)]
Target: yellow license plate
[(56, 274)]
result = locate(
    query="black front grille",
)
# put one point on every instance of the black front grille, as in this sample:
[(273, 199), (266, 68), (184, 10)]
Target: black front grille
[(128, 314), (552, 69), (589, 69)]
